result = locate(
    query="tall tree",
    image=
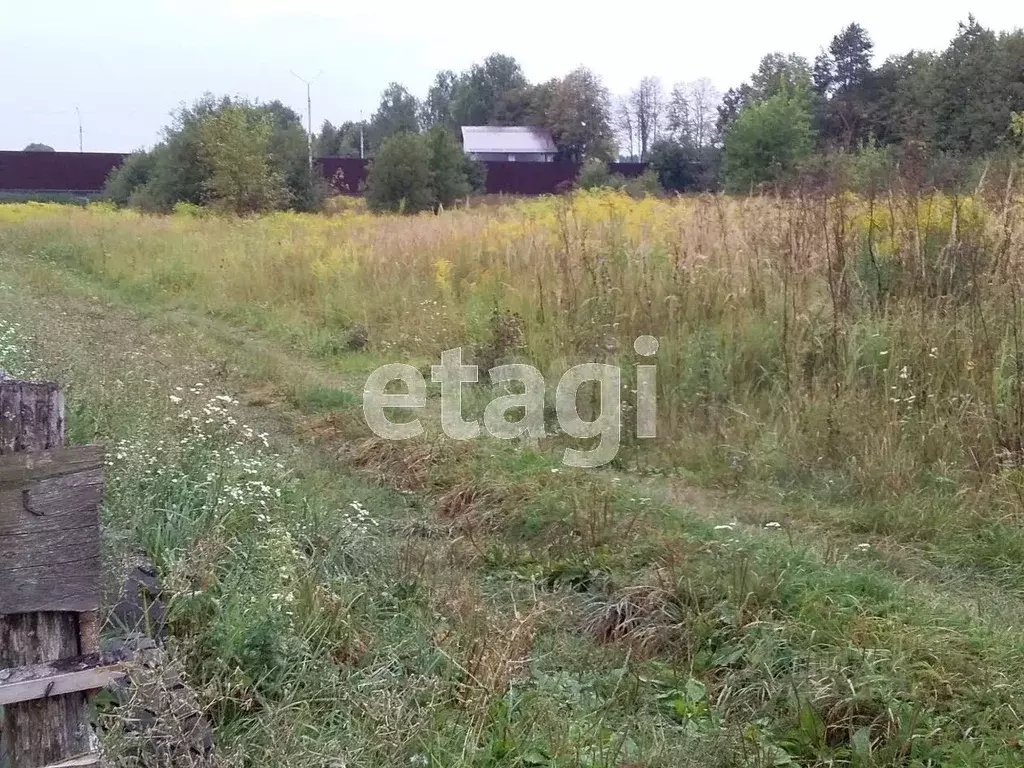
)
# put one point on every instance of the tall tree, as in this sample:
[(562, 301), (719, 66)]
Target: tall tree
[(480, 90), (437, 108), (851, 57), (766, 141), (525, 106), (579, 117), (903, 107), (626, 128), (399, 111), (447, 167), (692, 112), (776, 73), (235, 148), (733, 102), (646, 103), (972, 91), (779, 72), (844, 85)]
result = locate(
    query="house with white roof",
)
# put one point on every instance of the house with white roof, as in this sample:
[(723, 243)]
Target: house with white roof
[(516, 143)]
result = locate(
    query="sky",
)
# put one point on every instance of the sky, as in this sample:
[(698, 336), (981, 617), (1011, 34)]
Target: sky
[(126, 65)]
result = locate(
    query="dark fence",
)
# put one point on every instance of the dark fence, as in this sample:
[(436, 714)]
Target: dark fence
[(84, 172), (503, 177), (79, 172), (345, 174)]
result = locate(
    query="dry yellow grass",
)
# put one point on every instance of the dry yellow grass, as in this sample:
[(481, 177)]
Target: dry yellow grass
[(851, 347)]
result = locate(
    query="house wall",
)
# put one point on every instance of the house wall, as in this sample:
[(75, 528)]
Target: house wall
[(521, 157)]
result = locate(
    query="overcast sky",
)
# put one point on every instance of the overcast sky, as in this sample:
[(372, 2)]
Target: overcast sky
[(128, 63)]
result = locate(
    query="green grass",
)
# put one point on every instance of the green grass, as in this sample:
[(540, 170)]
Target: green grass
[(320, 399), (337, 601)]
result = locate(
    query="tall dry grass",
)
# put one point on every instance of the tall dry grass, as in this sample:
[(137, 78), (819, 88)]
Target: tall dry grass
[(830, 344)]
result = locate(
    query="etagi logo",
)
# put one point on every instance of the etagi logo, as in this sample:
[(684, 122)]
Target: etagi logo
[(451, 374)]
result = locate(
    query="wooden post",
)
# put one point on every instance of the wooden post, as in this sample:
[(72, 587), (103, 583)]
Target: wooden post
[(55, 728)]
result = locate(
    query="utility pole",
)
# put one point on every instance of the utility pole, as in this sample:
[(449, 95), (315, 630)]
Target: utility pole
[(79, 113), (309, 114), (361, 155)]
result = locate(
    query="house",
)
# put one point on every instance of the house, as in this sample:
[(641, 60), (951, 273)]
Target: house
[(520, 144)]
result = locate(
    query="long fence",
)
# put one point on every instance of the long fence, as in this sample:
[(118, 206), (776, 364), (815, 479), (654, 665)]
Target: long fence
[(86, 172)]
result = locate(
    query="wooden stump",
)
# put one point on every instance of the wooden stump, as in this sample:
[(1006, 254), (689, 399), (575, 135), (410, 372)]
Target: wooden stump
[(56, 729)]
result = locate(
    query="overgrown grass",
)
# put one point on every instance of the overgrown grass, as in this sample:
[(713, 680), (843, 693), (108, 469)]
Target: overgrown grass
[(836, 346), (481, 605)]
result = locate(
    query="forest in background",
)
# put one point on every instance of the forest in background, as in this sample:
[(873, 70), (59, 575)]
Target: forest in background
[(943, 113)]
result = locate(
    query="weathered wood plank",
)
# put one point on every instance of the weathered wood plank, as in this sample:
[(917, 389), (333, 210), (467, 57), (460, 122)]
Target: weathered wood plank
[(50, 543), (85, 761), (51, 505), (41, 681), (10, 417), (22, 469), (89, 632), (42, 588), (53, 730)]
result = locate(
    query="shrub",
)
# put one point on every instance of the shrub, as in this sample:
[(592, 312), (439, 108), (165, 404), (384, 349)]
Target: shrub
[(235, 149), (645, 184), (594, 174), (447, 167), (766, 142), (245, 156), (476, 174), (413, 173), (131, 175), (400, 178)]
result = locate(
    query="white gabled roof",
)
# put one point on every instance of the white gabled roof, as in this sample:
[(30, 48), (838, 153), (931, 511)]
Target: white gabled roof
[(507, 139)]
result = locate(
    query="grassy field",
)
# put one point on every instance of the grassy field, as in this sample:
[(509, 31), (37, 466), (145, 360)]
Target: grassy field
[(819, 561)]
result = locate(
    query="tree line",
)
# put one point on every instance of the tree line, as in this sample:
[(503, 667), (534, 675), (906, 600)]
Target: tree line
[(959, 102)]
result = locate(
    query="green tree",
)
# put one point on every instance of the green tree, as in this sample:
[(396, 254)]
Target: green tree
[(398, 111), (733, 102), (766, 140), (903, 107), (844, 85), (973, 87), (675, 165), (400, 178), (480, 90), (448, 178), (132, 175), (437, 108), (235, 147), (579, 117), (177, 168), (526, 106), (340, 141), (778, 73), (34, 147)]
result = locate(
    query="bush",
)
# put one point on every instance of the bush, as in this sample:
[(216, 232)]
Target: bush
[(413, 173), (594, 174), (643, 185), (399, 178), (768, 140), (447, 167), (235, 148), (476, 174), (128, 177), (244, 156)]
